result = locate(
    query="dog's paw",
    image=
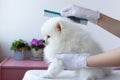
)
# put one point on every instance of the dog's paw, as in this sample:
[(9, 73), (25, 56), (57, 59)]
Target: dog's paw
[(47, 75)]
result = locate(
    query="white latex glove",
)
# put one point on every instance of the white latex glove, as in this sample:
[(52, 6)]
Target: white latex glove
[(81, 12), (73, 61)]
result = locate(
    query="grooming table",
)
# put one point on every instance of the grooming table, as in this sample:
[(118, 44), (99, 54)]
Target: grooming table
[(65, 75)]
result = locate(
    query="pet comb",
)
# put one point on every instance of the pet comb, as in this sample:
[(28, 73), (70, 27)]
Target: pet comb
[(50, 13)]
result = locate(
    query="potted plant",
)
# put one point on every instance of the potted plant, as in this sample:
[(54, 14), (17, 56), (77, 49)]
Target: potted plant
[(37, 47), (20, 47)]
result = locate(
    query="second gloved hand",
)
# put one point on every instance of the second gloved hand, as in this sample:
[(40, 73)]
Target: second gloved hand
[(74, 61)]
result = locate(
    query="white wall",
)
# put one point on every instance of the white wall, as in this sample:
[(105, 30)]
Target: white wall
[(23, 18)]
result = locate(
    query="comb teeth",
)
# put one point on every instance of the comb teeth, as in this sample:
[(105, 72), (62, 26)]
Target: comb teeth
[(50, 15), (52, 12), (78, 20), (56, 14)]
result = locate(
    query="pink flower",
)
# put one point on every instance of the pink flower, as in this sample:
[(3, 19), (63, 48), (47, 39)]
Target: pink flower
[(37, 44)]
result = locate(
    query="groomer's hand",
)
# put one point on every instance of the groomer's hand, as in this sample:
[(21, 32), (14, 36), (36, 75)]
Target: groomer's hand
[(73, 61), (81, 12)]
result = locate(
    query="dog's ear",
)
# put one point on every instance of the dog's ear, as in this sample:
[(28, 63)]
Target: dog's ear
[(59, 26)]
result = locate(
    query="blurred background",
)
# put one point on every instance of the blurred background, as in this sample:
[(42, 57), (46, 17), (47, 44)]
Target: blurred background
[(23, 19)]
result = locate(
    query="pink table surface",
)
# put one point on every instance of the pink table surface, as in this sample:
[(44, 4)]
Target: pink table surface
[(12, 63), (11, 69)]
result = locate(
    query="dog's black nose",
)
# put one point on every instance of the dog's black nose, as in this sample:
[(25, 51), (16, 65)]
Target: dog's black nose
[(43, 41)]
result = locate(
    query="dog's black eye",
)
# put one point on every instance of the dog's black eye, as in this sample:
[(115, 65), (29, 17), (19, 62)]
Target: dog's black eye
[(48, 36)]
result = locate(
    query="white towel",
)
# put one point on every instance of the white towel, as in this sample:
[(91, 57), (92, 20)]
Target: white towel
[(65, 75)]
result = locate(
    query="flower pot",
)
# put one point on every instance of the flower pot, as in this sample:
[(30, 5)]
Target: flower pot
[(37, 55), (27, 54), (19, 55)]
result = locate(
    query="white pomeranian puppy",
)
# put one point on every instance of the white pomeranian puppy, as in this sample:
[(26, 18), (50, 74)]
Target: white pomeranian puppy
[(65, 36)]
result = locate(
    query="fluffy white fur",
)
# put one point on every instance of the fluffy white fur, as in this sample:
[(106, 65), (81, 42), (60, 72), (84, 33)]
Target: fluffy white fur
[(63, 35)]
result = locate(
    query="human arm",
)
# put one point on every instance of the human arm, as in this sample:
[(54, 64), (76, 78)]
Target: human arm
[(85, 60), (107, 59), (109, 24), (106, 22)]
